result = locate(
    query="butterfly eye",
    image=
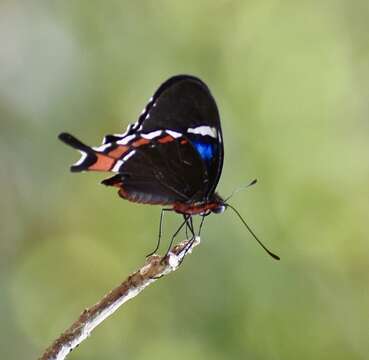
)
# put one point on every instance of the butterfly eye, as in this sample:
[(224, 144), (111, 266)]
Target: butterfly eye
[(219, 210)]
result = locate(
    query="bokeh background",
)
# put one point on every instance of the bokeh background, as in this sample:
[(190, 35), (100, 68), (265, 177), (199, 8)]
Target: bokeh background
[(291, 82)]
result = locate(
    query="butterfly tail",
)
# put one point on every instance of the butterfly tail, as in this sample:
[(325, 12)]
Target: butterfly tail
[(91, 159)]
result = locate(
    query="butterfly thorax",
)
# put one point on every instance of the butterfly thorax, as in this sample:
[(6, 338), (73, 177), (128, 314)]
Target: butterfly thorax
[(215, 204)]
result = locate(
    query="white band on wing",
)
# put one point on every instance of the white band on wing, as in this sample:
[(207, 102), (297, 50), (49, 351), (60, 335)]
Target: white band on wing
[(126, 139), (130, 154), (204, 130), (101, 148), (117, 166), (152, 134), (119, 163), (82, 159), (173, 134)]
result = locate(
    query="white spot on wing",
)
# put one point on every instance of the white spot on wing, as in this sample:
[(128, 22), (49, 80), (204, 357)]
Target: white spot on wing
[(130, 154), (204, 130), (152, 134), (119, 163), (82, 159), (173, 134), (126, 139), (102, 147), (117, 166)]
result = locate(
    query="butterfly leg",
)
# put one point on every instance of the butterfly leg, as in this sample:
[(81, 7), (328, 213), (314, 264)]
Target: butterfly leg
[(171, 243), (191, 228), (201, 224), (189, 224), (175, 234), (160, 231), (187, 219)]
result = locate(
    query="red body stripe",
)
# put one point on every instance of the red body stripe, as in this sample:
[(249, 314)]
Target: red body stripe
[(191, 209)]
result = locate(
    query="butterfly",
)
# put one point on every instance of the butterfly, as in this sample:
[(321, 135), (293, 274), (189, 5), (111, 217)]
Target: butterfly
[(172, 156)]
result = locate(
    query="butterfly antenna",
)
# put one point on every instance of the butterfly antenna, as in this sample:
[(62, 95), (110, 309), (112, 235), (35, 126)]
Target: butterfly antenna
[(274, 256), (253, 182)]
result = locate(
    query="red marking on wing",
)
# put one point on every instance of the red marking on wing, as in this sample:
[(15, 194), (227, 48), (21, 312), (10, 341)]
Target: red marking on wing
[(118, 152), (166, 139), (103, 163), (124, 194), (140, 142), (184, 141)]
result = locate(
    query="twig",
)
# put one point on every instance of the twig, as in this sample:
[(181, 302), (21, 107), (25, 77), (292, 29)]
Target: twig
[(154, 268)]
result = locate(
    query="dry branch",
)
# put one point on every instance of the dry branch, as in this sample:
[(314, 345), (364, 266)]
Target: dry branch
[(154, 268)]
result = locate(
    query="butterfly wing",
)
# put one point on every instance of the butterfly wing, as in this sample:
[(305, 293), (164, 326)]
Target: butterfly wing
[(185, 105), (173, 153), (161, 170), (164, 171)]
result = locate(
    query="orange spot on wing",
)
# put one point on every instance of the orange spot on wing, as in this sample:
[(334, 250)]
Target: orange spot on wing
[(118, 151), (140, 142), (165, 139), (184, 141), (103, 163)]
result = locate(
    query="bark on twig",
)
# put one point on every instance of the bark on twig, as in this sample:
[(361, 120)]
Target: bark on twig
[(154, 268)]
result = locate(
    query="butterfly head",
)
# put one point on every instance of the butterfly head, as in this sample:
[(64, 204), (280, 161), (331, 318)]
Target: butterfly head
[(218, 204)]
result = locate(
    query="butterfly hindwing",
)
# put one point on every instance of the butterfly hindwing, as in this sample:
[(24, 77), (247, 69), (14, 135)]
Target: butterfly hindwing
[(165, 171)]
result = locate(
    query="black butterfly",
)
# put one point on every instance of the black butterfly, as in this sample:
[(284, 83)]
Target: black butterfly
[(173, 155)]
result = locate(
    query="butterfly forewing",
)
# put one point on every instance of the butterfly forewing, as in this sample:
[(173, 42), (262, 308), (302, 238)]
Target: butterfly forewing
[(184, 104)]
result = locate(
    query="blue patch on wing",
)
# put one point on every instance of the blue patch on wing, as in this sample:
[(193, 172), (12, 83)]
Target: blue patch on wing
[(205, 150)]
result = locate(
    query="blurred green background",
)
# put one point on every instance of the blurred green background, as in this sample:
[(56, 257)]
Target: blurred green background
[(291, 82)]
